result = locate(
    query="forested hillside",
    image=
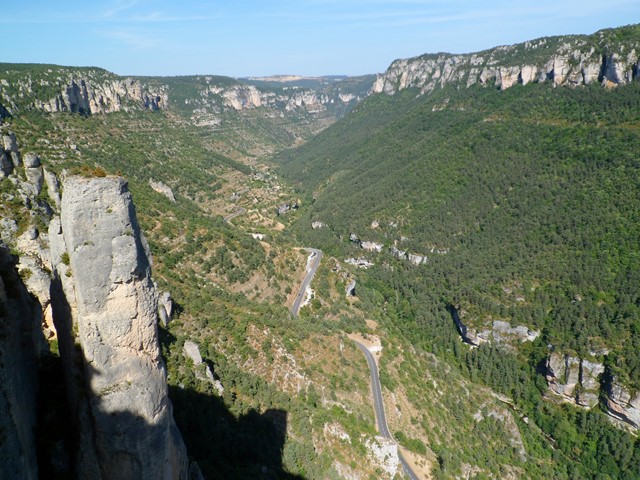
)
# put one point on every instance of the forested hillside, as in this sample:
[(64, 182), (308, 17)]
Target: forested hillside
[(525, 204)]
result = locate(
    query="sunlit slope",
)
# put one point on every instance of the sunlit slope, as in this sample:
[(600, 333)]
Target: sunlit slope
[(533, 187)]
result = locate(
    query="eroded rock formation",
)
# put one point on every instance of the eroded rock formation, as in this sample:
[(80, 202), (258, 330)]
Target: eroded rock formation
[(571, 60), (115, 305)]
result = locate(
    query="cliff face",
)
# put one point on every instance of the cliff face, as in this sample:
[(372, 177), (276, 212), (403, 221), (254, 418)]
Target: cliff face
[(20, 341), (81, 90), (115, 303), (210, 97), (86, 286), (576, 380), (571, 60), (83, 96)]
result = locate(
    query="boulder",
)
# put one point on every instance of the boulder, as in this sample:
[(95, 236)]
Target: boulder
[(31, 160), (162, 189)]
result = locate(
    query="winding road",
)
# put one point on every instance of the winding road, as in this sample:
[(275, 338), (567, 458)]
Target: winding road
[(230, 217), (314, 262), (376, 390), (378, 406)]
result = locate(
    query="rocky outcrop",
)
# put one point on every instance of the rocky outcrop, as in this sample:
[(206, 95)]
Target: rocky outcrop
[(163, 189), (82, 95), (574, 379), (86, 284), (11, 148), (414, 258), (34, 174), (359, 262), (285, 207), (623, 404), (383, 452), (201, 369), (20, 342), (216, 95), (115, 305), (85, 90), (53, 187), (500, 332), (572, 60), (371, 246), (9, 154), (350, 290), (165, 308)]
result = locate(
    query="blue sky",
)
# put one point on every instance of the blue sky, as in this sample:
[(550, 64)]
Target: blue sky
[(307, 37)]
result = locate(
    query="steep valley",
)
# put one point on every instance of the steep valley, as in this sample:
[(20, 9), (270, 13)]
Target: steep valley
[(478, 217)]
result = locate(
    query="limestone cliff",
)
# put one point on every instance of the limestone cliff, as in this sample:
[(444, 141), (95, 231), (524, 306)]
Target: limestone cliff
[(114, 304), (574, 379), (623, 404), (569, 60), (213, 96), (20, 342), (81, 90)]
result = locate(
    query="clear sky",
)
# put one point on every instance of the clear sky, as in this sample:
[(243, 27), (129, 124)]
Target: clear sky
[(265, 37)]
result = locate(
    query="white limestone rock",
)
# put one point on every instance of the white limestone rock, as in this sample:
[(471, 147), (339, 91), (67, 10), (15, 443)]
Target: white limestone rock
[(563, 374), (384, 453), (566, 373), (31, 160), (570, 63), (163, 189), (53, 187), (135, 435), (165, 308), (11, 146), (372, 246), (623, 404)]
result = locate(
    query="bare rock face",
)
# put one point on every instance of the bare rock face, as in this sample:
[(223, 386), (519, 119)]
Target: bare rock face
[(163, 189), (11, 146), (89, 95), (165, 308), (563, 374), (499, 333), (575, 60), (18, 374), (53, 187), (576, 380), (6, 166), (135, 434), (623, 404), (201, 369), (33, 172)]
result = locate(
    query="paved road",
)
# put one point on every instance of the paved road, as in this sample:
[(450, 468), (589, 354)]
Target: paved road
[(315, 257), (230, 217), (378, 407)]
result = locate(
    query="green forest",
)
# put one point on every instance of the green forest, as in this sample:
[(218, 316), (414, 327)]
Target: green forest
[(529, 197)]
